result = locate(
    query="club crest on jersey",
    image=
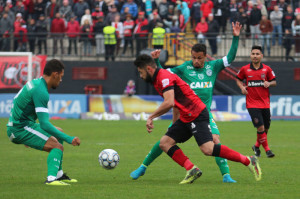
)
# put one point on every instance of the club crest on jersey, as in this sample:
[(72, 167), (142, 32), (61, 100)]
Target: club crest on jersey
[(201, 76), (165, 82), (209, 72), (263, 75)]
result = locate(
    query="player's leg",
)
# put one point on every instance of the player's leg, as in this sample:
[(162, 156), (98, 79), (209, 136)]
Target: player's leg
[(257, 122), (267, 122), (221, 162), (151, 156), (179, 133), (202, 133)]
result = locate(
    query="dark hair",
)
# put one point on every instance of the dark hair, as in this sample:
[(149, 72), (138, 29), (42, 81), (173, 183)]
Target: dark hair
[(256, 48), (53, 65), (144, 60), (199, 48)]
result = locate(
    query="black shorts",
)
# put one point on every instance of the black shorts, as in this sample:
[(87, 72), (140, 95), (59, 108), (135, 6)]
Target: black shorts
[(260, 116), (199, 128)]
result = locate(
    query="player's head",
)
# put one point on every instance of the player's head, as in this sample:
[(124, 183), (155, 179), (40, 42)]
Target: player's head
[(54, 69), (198, 53), (256, 54), (146, 67)]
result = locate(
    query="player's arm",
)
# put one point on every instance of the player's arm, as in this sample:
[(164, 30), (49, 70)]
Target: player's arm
[(164, 107), (243, 88), (40, 101), (176, 114), (271, 79), (268, 84)]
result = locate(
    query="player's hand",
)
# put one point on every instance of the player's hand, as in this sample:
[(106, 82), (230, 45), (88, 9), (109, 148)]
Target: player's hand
[(155, 54), (149, 125), (266, 84), (76, 141), (244, 90), (236, 28)]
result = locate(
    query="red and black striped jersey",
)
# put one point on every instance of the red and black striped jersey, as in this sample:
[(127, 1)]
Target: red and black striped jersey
[(188, 103)]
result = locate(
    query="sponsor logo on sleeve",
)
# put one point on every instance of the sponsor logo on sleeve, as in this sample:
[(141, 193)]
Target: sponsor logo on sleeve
[(165, 82), (273, 73)]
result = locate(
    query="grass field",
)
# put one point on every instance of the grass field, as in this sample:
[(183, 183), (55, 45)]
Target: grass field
[(23, 170)]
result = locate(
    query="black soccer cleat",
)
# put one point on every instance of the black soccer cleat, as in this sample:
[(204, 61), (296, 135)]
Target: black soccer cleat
[(65, 178), (270, 154), (256, 151)]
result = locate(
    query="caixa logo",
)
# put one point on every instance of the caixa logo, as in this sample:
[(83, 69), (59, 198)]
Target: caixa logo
[(64, 107)]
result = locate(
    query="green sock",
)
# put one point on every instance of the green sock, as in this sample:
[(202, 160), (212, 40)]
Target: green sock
[(53, 161), (222, 163), (62, 155), (153, 154)]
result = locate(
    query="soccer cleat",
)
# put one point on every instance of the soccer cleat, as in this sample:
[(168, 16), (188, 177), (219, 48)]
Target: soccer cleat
[(65, 178), (256, 151), (56, 183), (270, 154), (254, 167), (191, 175), (227, 178), (138, 172)]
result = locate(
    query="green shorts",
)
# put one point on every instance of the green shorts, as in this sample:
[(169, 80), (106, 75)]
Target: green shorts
[(32, 135), (213, 125)]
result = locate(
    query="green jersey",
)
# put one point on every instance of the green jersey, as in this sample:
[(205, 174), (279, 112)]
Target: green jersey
[(30, 104), (202, 80)]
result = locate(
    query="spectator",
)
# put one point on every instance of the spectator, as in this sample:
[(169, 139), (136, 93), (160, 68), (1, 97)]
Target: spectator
[(39, 8), (98, 31), (86, 36), (96, 14), (119, 4), (6, 28), (196, 13), (42, 32), (221, 13), (266, 29), (31, 30), (255, 17), (119, 32), (130, 88), (128, 29), (73, 31), (141, 32), (169, 19), (87, 16), (206, 8), (158, 36), (212, 33), (102, 6), (21, 36), (79, 9), (19, 8), (109, 42), (296, 34), (276, 19), (148, 7), (57, 32), (288, 18), (271, 4), (17, 25), (185, 11), (29, 8), (133, 8), (287, 43), (10, 14), (124, 14), (65, 11), (201, 29), (111, 15), (175, 39), (51, 10), (233, 9), (243, 19), (282, 5), (154, 21), (262, 8), (163, 9)]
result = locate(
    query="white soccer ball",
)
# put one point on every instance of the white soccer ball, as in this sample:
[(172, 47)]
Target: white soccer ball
[(108, 158)]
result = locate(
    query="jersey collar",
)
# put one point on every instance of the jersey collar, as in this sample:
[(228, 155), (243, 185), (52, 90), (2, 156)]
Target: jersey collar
[(45, 83), (155, 74), (252, 67)]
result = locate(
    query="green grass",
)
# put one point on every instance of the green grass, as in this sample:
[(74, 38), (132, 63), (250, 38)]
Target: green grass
[(23, 170)]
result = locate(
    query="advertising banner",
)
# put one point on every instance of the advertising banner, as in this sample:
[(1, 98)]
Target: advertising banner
[(281, 107), (13, 70), (60, 106)]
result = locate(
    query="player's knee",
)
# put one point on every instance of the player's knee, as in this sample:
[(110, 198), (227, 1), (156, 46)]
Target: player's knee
[(216, 139), (207, 151), (261, 128)]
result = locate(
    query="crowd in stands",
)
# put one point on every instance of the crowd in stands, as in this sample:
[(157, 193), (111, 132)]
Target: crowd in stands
[(32, 22)]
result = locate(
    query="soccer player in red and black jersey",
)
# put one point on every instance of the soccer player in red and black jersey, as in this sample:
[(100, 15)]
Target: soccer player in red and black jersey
[(193, 121), (259, 77)]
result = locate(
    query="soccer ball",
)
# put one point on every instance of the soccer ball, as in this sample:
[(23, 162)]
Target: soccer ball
[(108, 158)]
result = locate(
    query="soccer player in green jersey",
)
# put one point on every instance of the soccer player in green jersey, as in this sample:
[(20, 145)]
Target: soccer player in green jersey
[(30, 104), (201, 76)]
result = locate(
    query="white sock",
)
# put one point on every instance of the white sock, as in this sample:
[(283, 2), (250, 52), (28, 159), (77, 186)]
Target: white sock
[(51, 178), (59, 174)]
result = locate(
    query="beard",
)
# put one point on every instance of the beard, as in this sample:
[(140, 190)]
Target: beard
[(148, 78), (54, 87)]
